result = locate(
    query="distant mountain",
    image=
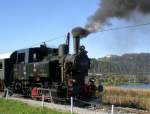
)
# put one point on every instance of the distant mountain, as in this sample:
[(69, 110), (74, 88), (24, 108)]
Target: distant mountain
[(125, 64)]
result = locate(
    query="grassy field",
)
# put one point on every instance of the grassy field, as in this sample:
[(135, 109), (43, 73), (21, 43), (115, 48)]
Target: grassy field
[(16, 107), (134, 98)]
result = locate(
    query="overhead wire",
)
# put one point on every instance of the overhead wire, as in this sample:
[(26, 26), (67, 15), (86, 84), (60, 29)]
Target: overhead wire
[(102, 30), (46, 41), (124, 27)]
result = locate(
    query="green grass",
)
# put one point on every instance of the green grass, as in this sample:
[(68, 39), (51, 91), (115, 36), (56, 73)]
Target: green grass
[(16, 107)]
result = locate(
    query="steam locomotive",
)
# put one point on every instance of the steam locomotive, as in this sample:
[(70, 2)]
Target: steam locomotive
[(50, 68)]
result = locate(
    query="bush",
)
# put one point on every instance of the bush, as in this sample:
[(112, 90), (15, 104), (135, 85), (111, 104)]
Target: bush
[(134, 98)]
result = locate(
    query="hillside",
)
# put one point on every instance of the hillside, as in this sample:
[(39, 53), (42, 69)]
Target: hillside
[(126, 64)]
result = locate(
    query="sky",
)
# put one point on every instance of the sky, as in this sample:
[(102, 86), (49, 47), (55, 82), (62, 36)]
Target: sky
[(26, 23)]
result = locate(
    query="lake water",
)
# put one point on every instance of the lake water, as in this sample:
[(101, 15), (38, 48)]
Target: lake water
[(140, 86)]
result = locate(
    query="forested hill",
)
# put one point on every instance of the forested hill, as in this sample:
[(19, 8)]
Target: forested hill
[(125, 64)]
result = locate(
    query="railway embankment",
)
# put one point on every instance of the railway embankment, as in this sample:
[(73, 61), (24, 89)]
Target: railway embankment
[(103, 109), (57, 107)]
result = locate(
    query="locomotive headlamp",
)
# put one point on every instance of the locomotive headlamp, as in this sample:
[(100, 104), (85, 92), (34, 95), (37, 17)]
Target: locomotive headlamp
[(92, 80), (74, 81)]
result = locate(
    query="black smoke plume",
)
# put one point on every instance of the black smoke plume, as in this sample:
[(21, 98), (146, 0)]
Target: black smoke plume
[(115, 8), (79, 32)]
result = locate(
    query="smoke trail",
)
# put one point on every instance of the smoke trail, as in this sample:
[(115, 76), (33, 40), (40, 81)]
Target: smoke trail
[(79, 32), (115, 8)]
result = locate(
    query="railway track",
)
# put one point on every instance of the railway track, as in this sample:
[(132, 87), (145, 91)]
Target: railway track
[(103, 109), (59, 107)]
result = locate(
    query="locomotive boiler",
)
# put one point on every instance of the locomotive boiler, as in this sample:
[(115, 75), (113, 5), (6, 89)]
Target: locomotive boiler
[(51, 68)]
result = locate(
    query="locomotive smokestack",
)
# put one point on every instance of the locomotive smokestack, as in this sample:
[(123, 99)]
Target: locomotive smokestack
[(76, 42), (78, 33)]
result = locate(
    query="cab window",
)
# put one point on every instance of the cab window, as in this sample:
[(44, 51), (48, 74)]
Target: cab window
[(37, 55), (21, 58), (1, 65)]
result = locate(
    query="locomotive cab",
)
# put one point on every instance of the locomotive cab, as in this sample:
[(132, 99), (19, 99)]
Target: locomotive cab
[(29, 68)]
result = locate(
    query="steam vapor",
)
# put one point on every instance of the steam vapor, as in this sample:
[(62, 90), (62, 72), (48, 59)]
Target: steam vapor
[(115, 8), (79, 32)]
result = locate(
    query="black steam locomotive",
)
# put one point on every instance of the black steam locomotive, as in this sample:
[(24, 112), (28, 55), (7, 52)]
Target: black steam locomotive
[(50, 68)]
